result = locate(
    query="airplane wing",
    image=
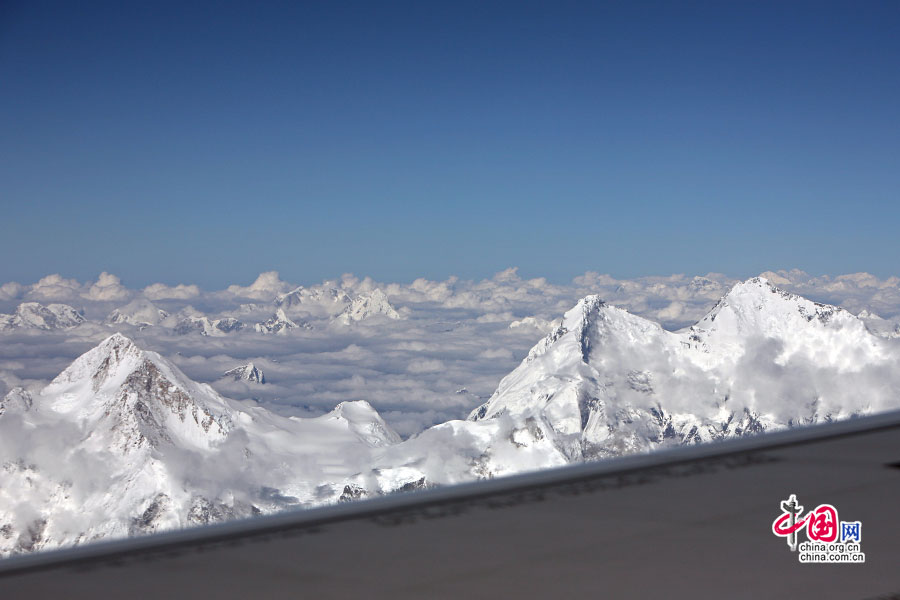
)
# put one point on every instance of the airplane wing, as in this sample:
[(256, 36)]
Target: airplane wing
[(693, 522)]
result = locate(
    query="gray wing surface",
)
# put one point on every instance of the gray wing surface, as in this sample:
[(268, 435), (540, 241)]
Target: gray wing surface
[(688, 523)]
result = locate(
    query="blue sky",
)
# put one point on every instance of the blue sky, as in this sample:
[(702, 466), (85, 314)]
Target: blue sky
[(206, 142)]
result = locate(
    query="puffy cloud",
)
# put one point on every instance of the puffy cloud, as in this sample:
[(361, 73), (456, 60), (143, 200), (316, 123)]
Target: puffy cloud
[(266, 287), (670, 313), (775, 278), (504, 317), (54, 287), (510, 275), (160, 291), (544, 325), (422, 290), (107, 287), (594, 279), (12, 291), (496, 353)]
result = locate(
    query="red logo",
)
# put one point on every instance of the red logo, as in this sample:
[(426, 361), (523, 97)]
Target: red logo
[(822, 524), (829, 539)]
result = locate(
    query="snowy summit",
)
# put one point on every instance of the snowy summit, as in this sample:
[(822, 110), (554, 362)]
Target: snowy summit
[(247, 372)]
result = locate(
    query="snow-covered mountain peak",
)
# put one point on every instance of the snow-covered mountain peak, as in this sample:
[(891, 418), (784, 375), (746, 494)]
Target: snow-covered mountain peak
[(139, 312), (129, 398), (290, 298), (17, 399), (757, 309), (280, 323), (302, 296), (601, 321), (362, 418), (33, 315), (206, 326), (101, 362), (582, 314), (757, 306), (366, 306), (592, 322), (248, 372)]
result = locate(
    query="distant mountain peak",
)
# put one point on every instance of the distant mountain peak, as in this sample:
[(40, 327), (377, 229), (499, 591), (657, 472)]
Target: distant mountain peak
[(248, 372), (140, 312), (757, 307), (316, 296), (366, 306), (280, 323), (593, 321), (32, 315), (758, 291), (17, 399), (206, 326)]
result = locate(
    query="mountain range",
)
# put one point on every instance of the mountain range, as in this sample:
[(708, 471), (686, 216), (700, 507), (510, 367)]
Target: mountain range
[(123, 443), (290, 312)]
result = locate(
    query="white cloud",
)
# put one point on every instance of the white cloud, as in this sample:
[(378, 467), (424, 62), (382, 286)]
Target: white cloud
[(107, 287), (510, 275), (775, 278), (160, 291), (266, 287), (12, 291), (496, 353), (594, 279), (542, 325), (54, 287), (670, 313), (425, 366)]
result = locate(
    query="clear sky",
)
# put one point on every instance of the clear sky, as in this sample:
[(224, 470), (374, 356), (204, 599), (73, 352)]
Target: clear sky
[(206, 142)]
